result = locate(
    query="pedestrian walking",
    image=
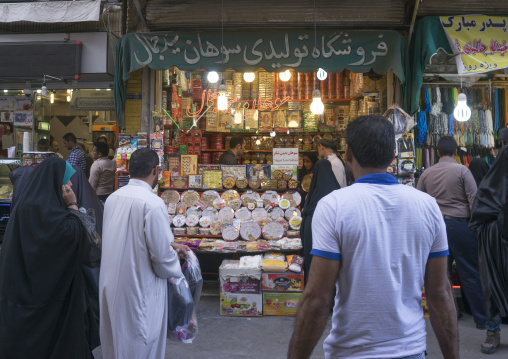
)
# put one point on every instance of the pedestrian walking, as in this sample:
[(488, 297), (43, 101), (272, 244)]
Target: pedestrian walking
[(45, 308), (454, 188), (366, 241), (489, 221), (141, 255), (322, 184)]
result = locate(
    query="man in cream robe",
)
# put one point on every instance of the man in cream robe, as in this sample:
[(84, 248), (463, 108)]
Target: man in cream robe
[(138, 255)]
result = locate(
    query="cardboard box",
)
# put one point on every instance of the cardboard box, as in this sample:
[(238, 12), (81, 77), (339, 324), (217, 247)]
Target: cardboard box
[(282, 282), (240, 285), (284, 304), (241, 305), (260, 171)]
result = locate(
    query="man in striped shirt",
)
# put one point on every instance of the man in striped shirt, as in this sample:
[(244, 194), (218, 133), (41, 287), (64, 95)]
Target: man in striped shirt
[(76, 156)]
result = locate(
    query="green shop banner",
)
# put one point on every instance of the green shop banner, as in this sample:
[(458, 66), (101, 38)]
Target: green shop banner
[(248, 50)]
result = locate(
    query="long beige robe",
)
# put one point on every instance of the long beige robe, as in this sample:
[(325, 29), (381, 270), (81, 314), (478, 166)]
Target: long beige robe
[(137, 259)]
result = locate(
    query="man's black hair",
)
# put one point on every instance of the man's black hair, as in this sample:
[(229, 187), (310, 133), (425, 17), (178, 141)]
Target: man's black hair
[(102, 148), (235, 141), (70, 137), (447, 146), (372, 141), (43, 145), (328, 144), (142, 162)]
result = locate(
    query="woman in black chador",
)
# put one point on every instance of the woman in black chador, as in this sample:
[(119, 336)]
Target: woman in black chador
[(489, 222), (322, 184), (45, 310)]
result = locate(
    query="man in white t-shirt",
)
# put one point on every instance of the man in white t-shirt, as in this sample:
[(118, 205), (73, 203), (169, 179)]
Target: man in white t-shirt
[(380, 242)]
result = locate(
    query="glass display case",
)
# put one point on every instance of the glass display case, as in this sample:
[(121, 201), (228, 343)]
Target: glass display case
[(7, 165)]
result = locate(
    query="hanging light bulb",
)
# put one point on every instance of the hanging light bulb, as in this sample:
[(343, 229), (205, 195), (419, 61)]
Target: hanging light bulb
[(52, 98), (285, 76), (222, 100), (68, 91), (68, 99), (317, 106), (321, 74), (249, 76), (462, 112), (272, 134), (213, 77)]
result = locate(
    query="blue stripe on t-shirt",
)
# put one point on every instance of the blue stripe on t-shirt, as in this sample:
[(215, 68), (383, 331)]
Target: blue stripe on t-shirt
[(438, 254), (325, 254), (378, 178)]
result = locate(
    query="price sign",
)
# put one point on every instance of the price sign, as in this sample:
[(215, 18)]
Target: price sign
[(285, 156)]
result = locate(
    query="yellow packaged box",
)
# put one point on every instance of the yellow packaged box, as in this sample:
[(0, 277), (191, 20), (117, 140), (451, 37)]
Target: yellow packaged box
[(282, 304)]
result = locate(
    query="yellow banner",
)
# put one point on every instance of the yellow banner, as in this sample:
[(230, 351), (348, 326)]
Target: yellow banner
[(480, 40)]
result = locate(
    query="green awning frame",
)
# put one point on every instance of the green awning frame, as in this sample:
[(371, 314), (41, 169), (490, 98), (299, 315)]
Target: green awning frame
[(245, 50)]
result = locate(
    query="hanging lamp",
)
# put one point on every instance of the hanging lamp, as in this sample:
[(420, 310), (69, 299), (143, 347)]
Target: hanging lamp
[(317, 107), (249, 76), (285, 76), (462, 112)]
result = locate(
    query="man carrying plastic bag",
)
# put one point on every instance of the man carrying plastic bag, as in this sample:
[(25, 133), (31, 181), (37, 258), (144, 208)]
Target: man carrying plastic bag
[(183, 298)]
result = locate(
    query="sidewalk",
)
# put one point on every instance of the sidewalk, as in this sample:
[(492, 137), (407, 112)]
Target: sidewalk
[(268, 337)]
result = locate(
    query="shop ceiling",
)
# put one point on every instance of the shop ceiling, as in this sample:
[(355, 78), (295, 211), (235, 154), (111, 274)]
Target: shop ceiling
[(161, 15)]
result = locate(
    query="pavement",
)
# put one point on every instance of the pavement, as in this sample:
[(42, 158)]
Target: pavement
[(268, 337)]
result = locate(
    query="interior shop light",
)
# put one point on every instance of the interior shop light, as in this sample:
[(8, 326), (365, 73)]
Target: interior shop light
[(321, 74), (285, 76), (39, 91), (213, 77), (317, 106), (68, 91), (238, 118), (462, 112), (6, 90), (68, 98), (52, 98), (222, 100), (272, 134), (249, 76)]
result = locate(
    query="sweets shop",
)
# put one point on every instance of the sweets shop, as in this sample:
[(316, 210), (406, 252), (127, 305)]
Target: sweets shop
[(282, 91)]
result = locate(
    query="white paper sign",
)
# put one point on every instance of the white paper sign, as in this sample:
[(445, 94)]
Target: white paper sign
[(285, 156)]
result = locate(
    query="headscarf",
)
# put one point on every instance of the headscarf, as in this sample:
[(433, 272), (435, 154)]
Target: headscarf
[(313, 158), (86, 196), (44, 306), (19, 178), (479, 169), (488, 222), (323, 183)]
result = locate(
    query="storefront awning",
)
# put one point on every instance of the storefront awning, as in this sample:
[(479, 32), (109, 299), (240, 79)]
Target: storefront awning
[(247, 50), (52, 11)]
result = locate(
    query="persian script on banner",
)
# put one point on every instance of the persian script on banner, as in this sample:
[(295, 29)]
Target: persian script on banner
[(480, 40)]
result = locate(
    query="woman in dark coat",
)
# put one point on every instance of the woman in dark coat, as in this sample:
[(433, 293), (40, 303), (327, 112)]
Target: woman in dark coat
[(479, 169), (45, 311), (489, 218), (323, 183)]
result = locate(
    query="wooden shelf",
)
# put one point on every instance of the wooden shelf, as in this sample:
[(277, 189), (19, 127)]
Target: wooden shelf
[(267, 134), (295, 100), (197, 236), (224, 189), (246, 151)]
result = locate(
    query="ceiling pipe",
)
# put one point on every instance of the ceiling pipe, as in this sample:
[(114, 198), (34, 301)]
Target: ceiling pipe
[(413, 20)]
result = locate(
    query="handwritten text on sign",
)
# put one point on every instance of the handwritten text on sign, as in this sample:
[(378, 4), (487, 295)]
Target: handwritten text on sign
[(480, 40), (285, 156)]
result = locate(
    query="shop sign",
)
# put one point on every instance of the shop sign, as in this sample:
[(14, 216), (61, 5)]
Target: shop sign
[(247, 50), (480, 40), (209, 98), (285, 156)]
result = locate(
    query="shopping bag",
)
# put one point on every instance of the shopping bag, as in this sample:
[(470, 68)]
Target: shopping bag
[(183, 297)]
